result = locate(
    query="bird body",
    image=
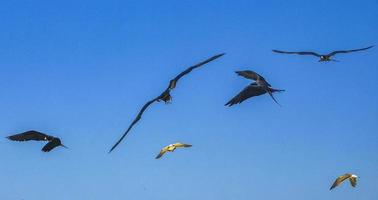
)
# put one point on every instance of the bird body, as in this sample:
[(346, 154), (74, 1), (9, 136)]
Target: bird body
[(257, 88), (38, 136), (171, 148), (322, 57), (352, 179)]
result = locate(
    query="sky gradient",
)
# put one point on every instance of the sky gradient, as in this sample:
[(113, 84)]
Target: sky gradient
[(82, 70)]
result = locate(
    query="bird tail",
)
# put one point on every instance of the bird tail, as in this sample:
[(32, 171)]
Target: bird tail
[(276, 90), (270, 92)]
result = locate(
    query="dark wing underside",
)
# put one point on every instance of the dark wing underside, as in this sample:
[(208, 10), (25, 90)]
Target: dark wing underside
[(51, 145), (173, 82), (249, 74), (172, 85), (248, 92), (348, 51), (298, 52), (137, 118), (253, 76), (30, 135)]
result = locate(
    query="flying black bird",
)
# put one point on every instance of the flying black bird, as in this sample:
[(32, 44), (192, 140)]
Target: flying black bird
[(323, 57), (352, 179), (164, 96), (257, 88), (171, 148), (38, 136)]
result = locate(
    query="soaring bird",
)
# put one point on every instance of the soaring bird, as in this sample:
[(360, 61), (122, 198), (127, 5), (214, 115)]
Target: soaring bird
[(257, 88), (164, 96), (352, 179), (38, 136), (171, 148), (323, 57)]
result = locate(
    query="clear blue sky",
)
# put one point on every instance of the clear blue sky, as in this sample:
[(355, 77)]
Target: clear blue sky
[(81, 70)]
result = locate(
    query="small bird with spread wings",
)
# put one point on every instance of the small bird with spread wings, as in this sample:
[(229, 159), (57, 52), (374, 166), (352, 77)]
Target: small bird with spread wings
[(257, 88), (323, 57), (164, 96), (171, 148), (352, 179), (38, 136)]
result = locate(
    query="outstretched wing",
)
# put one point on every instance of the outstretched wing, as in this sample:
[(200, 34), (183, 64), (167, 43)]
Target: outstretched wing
[(353, 181), (162, 152), (249, 74), (298, 52), (348, 51), (253, 76), (51, 145), (30, 135), (249, 91), (173, 82), (181, 145), (137, 118), (339, 180)]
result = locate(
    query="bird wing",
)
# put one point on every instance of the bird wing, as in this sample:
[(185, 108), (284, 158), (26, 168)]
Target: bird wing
[(249, 74), (172, 85), (348, 51), (298, 52), (173, 82), (162, 152), (253, 76), (249, 91), (51, 145), (181, 145), (137, 118), (353, 181), (339, 180), (30, 135)]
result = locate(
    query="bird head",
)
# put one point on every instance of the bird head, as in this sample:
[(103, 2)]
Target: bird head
[(60, 143)]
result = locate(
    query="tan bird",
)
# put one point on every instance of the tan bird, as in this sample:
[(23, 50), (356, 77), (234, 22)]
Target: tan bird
[(171, 148), (352, 179)]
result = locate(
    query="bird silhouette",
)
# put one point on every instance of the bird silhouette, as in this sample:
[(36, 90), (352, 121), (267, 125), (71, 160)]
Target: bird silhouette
[(171, 148), (164, 96), (352, 179), (323, 57), (38, 136), (257, 88)]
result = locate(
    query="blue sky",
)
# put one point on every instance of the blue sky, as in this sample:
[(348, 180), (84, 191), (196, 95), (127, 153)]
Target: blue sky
[(82, 70)]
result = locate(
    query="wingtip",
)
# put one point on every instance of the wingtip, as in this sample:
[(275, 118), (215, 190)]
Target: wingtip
[(219, 55)]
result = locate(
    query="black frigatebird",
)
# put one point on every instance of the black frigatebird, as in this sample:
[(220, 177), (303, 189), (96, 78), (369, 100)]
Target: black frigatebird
[(164, 96), (323, 57), (257, 88), (38, 136)]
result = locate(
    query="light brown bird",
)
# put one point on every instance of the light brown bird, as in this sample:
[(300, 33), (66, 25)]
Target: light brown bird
[(352, 179), (171, 148)]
